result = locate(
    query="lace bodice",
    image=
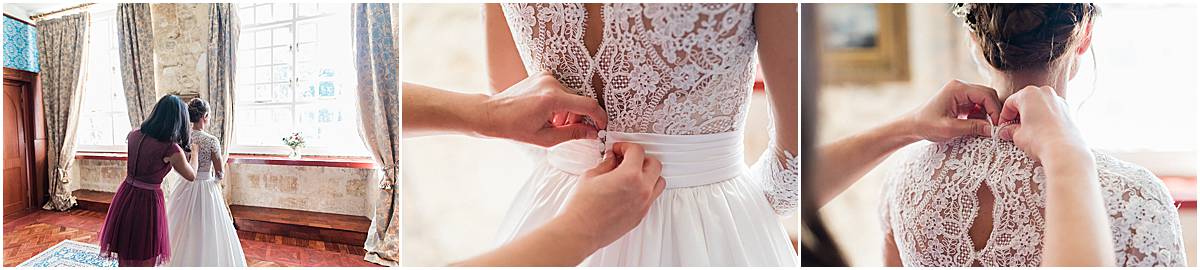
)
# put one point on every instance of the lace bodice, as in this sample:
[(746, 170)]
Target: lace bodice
[(675, 69), (679, 69), (207, 145), (930, 206)]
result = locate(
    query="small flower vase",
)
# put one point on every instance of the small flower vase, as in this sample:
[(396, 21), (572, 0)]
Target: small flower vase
[(295, 154)]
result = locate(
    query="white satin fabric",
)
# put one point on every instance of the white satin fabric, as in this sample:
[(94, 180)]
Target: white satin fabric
[(202, 233), (711, 214)]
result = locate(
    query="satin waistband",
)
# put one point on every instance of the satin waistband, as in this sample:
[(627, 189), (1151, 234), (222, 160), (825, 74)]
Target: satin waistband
[(688, 160), (142, 185), (205, 177)]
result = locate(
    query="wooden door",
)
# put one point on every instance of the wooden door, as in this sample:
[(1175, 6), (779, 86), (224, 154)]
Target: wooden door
[(17, 165)]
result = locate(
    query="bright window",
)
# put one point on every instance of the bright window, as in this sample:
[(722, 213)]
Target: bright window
[(295, 73), (103, 118), (1139, 100)]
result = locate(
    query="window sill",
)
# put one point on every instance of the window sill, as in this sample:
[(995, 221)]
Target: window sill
[(1182, 189), (309, 161)]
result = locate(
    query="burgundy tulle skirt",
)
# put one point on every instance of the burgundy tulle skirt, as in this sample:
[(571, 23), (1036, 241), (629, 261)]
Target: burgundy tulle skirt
[(135, 229)]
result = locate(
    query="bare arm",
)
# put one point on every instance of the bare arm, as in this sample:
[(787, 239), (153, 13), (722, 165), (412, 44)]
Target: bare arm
[(504, 64), (520, 113), (845, 161), (182, 164), (429, 110), (554, 244), (891, 255), (1077, 229), (609, 201), (218, 164), (776, 27)]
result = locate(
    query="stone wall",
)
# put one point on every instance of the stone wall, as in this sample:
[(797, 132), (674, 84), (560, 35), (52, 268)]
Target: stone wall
[(306, 188), (318, 189), (180, 46)]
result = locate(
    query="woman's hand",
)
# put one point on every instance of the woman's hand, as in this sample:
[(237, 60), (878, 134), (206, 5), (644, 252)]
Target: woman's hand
[(539, 110), (613, 197), (609, 201), (1040, 126), (1077, 229), (960, 109), (846, 160)]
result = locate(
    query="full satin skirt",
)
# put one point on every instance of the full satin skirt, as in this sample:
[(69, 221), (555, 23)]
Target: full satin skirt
[(202, 232), (711, 214)]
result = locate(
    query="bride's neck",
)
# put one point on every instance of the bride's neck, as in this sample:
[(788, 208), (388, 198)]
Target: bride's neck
[(197, 126), (1008, 83)]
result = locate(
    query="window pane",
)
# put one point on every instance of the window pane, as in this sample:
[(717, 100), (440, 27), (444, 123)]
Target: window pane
[(246, 16), (283, 36), (304, 68), (262, 39), (263, 13), (283, 12), (281, 55), (103, 118), (262, 56)]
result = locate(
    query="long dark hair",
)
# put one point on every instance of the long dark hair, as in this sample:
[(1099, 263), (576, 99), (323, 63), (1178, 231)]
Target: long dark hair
[(817, 246), (169, 122)]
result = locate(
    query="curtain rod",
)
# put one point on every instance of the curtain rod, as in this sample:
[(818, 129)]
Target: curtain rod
[(43, 15)]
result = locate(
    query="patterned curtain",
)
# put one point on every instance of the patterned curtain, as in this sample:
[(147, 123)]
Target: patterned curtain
[(223, 35), (136, 48), (61, 45), (377, 63)]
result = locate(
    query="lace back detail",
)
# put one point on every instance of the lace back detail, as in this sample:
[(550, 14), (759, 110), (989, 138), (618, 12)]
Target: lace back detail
[(678, 69), (930, 205)]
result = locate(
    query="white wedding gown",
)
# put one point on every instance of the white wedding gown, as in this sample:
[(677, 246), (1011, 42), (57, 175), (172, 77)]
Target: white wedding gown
[(202, 232), (676, 79), (930, 205)]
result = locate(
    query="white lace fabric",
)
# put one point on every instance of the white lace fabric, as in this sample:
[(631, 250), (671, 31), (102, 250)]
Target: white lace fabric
[(675, 69), (208, 144), (679, 69), (931, 203)]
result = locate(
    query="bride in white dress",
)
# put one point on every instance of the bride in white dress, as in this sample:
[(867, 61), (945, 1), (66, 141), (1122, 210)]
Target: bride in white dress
[(201, 229), (677, 79), (981, 201)]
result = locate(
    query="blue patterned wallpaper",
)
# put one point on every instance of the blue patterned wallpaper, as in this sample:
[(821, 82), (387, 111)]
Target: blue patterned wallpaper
[(20, 45)]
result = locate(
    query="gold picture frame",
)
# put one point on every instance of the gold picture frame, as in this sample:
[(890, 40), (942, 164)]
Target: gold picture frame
[(857, 53)]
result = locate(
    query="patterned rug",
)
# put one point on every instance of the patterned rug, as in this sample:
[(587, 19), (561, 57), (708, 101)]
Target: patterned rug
[(69, 254)]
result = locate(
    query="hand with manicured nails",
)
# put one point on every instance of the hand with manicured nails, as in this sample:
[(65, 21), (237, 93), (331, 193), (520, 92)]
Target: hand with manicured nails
[(1041, 124), (958, 110), (539, 110), (612, 198)]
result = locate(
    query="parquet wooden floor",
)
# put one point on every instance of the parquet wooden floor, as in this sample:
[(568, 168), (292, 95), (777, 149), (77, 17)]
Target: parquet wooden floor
[(27, 236)]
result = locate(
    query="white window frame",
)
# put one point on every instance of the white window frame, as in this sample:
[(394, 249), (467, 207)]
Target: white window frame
[(293, 82), (105, 11)]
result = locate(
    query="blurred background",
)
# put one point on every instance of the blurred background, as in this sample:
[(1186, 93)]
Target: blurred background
[(458, 188), (1135, 100)]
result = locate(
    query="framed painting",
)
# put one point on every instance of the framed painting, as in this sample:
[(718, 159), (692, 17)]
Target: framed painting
[(864, 43)]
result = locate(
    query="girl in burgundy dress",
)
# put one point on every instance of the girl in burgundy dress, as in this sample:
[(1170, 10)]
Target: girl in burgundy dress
[(135, 230)]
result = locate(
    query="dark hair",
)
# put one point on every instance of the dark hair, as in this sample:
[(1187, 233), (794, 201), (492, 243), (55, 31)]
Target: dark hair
[(1020, 36), (168, 122), (197, 108), (817, 247)]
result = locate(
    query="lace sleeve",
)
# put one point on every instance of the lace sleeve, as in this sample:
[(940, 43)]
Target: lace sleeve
[(1145, 221), (213, 147), (778, 170)]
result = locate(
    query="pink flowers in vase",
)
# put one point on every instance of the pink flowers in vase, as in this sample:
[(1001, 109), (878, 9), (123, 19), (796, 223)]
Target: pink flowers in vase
[(295, 142)]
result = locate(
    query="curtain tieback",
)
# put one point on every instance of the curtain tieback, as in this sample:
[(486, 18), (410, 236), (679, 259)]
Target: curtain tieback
[(63, 176), (389, 177)]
